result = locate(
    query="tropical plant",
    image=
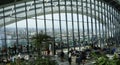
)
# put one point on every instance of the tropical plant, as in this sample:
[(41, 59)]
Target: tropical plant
[(40, 41), (104, 60)]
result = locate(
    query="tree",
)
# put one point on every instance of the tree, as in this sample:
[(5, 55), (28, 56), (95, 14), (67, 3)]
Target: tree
[(40, 41)]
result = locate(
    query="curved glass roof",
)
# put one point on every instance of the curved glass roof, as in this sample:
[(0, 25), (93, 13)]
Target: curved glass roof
[(18, 11), (115, 3)]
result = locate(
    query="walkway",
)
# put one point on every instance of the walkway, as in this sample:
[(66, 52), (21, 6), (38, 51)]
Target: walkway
[(88, 62)]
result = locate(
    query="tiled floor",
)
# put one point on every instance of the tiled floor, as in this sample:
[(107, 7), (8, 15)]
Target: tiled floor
[(88, 62)]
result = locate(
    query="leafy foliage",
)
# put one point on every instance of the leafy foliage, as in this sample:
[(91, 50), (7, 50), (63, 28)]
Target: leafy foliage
[(41, 41), (38, 41), (39, 38), (104, 60)]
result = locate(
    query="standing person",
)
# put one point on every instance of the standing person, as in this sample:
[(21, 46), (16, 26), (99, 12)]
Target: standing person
[(62, 55), (48, 51), (69, 58), (83, 57), (78, 60), (14, 49)]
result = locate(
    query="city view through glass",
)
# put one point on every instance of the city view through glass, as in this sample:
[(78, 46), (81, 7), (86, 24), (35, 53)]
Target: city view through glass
[(22, 32)]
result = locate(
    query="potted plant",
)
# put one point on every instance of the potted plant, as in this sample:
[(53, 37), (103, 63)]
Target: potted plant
[(41, 41)]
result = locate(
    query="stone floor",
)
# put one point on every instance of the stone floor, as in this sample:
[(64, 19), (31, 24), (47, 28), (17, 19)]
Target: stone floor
[(88, 62)]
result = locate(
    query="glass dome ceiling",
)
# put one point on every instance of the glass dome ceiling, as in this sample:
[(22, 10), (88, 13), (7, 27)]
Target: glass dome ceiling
[(18, 11)]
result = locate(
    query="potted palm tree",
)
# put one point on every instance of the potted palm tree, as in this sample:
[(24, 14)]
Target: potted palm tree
[(41, 42)]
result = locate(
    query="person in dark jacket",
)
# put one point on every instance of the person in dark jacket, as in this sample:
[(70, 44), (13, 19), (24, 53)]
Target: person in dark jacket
[(83, 57), (78, 60), (62, 55)]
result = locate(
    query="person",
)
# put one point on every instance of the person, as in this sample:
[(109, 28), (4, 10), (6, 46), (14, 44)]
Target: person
[(48, 51), (69, 58), (83, 57), (62, 55), (78, 59), (20, 48), (113, 50), (14, 49)]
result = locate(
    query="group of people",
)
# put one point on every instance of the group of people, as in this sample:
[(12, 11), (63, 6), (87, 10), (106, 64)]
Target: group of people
[(13, 50), (80, 56)]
